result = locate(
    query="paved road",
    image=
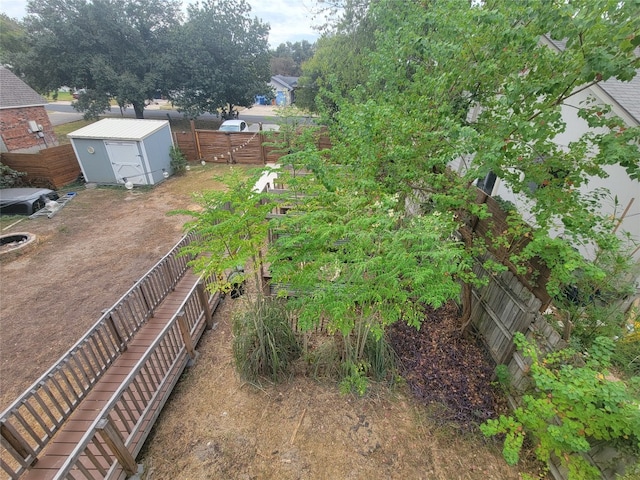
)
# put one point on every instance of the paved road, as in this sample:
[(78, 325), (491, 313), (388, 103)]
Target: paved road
[(63, 112)]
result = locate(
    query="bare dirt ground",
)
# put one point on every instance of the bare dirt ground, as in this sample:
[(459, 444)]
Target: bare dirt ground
[(86, 257), (214, 426), (217, 427)]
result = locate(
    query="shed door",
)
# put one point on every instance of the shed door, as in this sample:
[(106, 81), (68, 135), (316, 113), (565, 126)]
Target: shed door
[(126, 162)]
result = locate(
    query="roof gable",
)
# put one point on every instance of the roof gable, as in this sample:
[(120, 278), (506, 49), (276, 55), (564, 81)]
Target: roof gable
[(288, 82), (15, 93), (625, 94)]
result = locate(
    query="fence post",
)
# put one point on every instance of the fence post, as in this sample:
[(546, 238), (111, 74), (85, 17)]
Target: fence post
[(202, 295), (169, 276), (263, 149), (116, 333), (112, 438), (146, 301), (196, 138), (186, 335), (14, 439)]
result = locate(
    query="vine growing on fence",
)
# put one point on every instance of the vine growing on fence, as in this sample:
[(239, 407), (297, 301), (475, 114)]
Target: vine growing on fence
[(575, 402)]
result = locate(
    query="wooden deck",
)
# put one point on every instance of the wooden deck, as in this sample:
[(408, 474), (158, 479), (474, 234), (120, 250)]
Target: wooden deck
[(64, 443), (88, 416)]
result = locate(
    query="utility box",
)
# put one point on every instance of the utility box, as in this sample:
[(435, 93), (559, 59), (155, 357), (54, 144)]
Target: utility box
[(120, 150)]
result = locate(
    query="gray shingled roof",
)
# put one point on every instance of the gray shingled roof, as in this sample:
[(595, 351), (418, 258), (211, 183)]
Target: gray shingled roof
[(15, 93), (288, 82), (625, 94)]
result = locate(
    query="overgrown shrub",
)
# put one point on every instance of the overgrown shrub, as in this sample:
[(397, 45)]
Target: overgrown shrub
[(354, 360), (9, 177), (264, 345), (178, 160), (575, 403)]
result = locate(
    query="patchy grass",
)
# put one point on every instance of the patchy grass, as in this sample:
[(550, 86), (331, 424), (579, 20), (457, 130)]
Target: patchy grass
[(61, 131), (60, 97)]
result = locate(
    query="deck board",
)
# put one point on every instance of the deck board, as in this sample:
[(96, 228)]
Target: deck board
[(63, 443)]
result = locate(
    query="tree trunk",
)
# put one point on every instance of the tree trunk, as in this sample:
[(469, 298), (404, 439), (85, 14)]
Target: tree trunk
[(139, 109), (465, 317)]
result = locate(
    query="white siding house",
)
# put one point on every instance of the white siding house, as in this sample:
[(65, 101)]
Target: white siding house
[(624, 199)]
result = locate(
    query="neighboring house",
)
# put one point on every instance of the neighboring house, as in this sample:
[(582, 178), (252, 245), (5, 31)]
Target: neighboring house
[(624, 100), (285, 88), (24, 124)]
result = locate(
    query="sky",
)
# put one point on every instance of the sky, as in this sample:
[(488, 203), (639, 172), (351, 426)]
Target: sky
[(290, 20)]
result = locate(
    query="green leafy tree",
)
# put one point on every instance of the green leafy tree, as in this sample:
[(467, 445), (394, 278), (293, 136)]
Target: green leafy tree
[(111, 48), (340, 61), (356, 261), (231, 230), (287, 58), (436, 63), (12, 39), (222, 58), (349, 256)]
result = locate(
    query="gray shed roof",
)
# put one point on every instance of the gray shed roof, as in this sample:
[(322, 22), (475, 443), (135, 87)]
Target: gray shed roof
[(14, 93), (120, 129)]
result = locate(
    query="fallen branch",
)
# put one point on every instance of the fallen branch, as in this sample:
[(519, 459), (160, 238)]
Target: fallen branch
[(295, 431)]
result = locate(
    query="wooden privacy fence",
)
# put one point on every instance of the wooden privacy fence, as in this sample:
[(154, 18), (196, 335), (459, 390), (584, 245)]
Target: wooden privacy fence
[(29, 424), (52, 167), (500, 309), (224, 147), (493, 227)]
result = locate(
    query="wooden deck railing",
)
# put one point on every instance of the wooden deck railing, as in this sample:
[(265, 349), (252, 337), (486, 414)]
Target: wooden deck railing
[(111, 443), (27, 426)]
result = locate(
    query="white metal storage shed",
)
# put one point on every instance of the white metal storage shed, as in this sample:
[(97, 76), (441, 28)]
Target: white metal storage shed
[(120, 150)]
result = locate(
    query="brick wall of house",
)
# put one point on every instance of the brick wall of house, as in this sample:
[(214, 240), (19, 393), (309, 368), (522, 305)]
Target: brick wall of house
[(14, 128)]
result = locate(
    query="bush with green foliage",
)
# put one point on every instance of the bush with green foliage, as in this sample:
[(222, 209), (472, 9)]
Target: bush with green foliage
[(574, 403), (9, 177), (264, 344), (231, 229), (178, 160)]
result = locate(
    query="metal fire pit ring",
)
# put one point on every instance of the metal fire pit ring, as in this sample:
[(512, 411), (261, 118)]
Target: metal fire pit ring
[(16, 243)]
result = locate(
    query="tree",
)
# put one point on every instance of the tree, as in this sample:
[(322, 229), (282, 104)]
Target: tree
[(335, 70), (434, 61), (287, 58), (340, 61), (349, 255), (222, 58), (230, 230), (12, 39), (111, 48)]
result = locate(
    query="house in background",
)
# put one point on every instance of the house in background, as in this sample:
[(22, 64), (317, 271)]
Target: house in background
[(285, 88), (24, 124), (623, 201)]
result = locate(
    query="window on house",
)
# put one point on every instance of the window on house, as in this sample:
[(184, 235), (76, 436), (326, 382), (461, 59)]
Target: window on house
[(487, 183)]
